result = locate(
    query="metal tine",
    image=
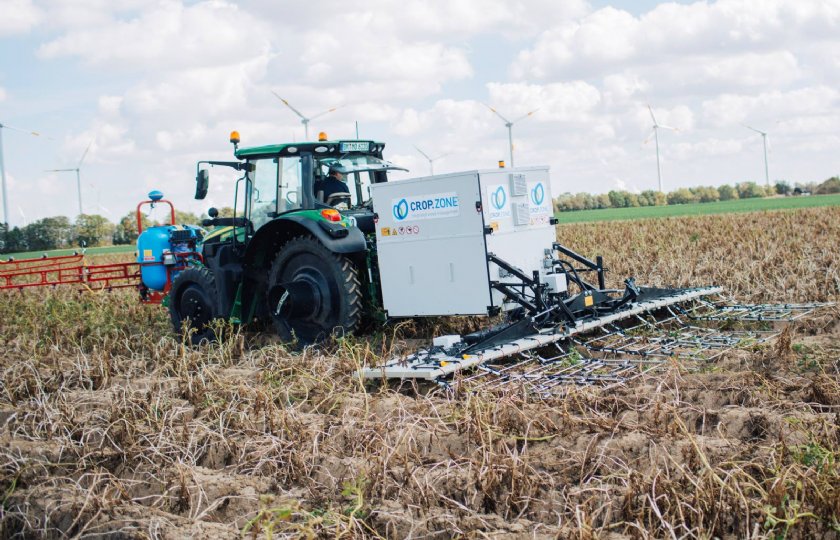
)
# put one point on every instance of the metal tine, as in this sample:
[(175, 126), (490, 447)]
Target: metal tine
[(686, 344), (728, 309), (510, 373), (726, 338)]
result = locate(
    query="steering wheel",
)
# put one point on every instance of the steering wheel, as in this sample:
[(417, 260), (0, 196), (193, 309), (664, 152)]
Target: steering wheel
[(339, 198), (289, 198)]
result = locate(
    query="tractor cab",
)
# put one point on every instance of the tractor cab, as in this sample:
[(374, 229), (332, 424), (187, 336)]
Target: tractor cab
[(289, 177)]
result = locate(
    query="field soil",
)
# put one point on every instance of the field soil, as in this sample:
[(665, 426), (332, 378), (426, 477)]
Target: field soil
[(110, 427)]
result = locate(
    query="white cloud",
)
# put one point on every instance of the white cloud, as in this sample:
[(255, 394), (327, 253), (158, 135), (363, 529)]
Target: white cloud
[(689, 35), (169, 35), (621, 87), (2, 94), (561, 102), (423, 19), (705, 149), (766, 107), (19, 17)]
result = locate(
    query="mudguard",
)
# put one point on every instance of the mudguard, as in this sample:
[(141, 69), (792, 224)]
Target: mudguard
[(271, 236)]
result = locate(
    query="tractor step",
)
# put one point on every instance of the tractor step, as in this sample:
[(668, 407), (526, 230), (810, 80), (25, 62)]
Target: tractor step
[(605, 350)]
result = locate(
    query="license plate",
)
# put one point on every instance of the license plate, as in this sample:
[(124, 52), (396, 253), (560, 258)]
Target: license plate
[(354, 147)]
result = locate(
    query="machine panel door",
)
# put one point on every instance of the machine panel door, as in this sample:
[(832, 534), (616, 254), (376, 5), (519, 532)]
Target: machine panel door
[(430, 245)]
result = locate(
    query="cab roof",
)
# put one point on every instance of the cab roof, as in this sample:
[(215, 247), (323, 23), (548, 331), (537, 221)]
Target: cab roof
[(320, 148)]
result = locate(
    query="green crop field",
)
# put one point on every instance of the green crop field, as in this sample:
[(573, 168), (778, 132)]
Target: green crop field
[(103, 250), (722, 207)]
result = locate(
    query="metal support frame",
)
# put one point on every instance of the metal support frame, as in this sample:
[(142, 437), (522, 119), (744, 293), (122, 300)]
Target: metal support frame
[(606, 350)]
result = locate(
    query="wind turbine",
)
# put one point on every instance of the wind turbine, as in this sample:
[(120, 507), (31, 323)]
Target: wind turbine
[(764, 139), (509, 125), (655, 133), (78, 176), (3, 168), (303, 119), (431, 160)]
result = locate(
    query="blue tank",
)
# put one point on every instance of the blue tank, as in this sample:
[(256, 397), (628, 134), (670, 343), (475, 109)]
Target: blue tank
[(150, 247)]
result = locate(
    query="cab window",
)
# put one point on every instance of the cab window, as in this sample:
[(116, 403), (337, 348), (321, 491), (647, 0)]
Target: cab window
[(264, 191), (290, 184)]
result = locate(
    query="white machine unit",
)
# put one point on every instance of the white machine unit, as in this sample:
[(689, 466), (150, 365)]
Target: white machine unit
[(434, 236)]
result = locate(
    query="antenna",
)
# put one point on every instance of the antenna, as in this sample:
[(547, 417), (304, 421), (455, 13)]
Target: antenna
[(431, 160), (509, 125), (764, 140), (3, 168), (303, 119), (655, 133), (78, 174)]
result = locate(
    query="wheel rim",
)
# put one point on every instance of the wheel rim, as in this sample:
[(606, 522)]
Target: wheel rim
[(306, 271), (195, 308)]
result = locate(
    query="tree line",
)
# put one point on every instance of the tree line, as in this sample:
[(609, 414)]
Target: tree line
[(702, 194), (88, 230)]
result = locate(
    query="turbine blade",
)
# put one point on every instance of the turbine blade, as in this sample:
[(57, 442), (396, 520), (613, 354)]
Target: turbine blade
[(286, 103), (84, 154), (60, 170), (650, 135), (756, 130), (524, 116), (667, 127), (22, 130), (442, 156), (320, 114), (425, 155), (494, 111), (652, 117)]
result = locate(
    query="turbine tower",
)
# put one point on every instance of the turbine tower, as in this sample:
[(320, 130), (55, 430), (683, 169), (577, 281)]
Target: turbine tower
[(303, 119), (509, 126), (3, 168), (431, 160), (78, 175), (655, 133), (764, 140)]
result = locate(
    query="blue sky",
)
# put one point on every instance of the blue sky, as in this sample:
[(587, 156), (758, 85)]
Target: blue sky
[(158, 85)]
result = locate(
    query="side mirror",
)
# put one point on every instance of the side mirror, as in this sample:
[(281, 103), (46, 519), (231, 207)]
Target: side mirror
[(202, 182), (213, 213)]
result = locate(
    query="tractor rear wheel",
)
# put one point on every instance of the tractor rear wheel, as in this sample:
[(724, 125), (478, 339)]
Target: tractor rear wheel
[(312, 292), (192, 304)]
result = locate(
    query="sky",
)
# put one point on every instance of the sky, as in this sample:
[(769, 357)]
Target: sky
[(151, 87)]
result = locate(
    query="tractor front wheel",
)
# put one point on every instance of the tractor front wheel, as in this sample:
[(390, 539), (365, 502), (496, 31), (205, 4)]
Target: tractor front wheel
[(192, 304), (312, 292)]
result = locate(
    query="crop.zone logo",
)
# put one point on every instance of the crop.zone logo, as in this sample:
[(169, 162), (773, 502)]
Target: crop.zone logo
[(498, 198), (538, 194), (401, 210)]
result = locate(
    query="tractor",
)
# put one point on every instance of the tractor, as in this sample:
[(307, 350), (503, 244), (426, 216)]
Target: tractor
[(295, 257)]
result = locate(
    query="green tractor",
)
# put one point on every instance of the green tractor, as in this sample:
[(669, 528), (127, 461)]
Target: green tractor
[(299, 255)]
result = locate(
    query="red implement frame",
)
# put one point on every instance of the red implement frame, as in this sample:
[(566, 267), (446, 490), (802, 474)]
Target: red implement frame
[(67, 270)]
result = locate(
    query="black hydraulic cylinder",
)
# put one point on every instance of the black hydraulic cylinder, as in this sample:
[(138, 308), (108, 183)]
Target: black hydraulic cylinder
[(601, 280)]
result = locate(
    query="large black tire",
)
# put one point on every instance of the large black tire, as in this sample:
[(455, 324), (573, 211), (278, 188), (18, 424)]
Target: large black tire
[(334, 293), (193, 300)]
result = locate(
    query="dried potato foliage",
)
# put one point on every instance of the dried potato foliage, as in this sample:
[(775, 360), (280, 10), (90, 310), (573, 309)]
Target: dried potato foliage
[(111, 427)]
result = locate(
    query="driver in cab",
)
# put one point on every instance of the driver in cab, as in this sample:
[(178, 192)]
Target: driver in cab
[(333, 190)]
